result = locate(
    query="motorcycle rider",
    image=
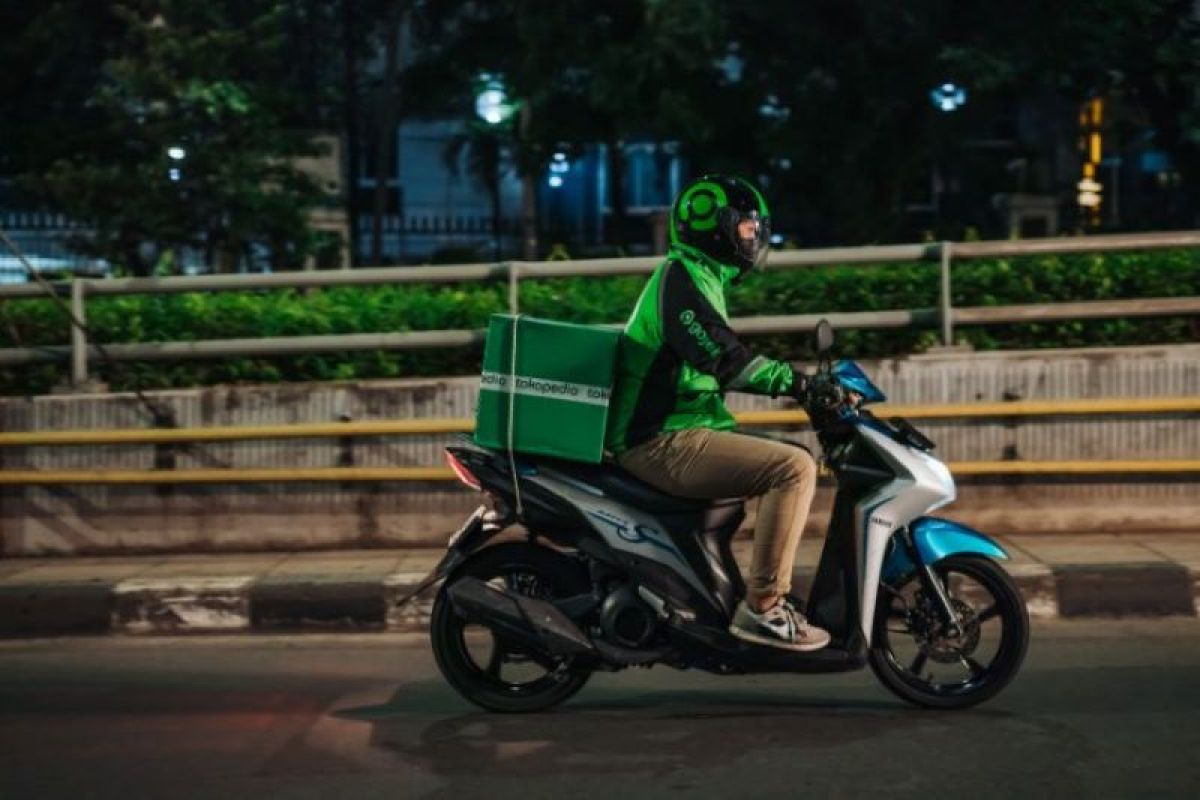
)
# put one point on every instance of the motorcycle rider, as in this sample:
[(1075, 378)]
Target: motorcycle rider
[(669, 425)]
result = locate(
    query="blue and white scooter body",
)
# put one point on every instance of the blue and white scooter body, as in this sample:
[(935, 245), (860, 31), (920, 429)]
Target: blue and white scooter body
[(922, 484)]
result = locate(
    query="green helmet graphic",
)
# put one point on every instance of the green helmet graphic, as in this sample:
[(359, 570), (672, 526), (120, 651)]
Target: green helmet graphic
[(709, 214)]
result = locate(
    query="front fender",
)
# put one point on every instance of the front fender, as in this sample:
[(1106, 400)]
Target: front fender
[(933, 540)]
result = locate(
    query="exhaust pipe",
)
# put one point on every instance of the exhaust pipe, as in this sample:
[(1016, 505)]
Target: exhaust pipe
[(532, 622)]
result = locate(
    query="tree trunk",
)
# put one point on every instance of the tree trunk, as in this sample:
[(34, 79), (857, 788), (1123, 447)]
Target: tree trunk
[(616, 191), (130, 248), (227, 258), (529, 216), (385, 131), (350, 65), (494, 198)]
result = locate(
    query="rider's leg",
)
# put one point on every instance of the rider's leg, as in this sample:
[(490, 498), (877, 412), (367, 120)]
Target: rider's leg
[(781, 516), (710, 464)]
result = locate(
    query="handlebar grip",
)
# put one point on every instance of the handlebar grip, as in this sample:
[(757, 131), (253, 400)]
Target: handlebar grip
[(824, 393)]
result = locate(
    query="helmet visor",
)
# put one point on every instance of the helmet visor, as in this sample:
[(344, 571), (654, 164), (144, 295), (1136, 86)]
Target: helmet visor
[(751, 237)]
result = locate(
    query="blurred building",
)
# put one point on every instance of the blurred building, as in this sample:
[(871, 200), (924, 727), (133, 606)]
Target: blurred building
[(437, 210), (1020, 168), (49, 244), (1040, 166)]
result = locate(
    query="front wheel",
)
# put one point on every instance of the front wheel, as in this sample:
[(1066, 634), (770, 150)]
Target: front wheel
[(919, 658)]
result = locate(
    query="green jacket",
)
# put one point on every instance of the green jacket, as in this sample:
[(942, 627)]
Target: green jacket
[(678, 355)]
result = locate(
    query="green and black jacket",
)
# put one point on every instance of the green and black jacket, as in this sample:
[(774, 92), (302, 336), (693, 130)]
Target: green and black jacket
[(678, 355)]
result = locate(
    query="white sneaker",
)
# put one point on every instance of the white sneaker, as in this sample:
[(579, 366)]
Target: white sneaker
[(781, 625)]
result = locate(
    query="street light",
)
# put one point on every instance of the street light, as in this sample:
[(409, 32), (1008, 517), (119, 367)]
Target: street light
[(948, 97), (494, 107), (491, 101), (177, 154), (559, 166)]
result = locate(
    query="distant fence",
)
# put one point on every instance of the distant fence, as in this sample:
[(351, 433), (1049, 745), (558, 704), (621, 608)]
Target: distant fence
[(944, 316), (438, 224), (51, 223), (422, 236), (51, 240)]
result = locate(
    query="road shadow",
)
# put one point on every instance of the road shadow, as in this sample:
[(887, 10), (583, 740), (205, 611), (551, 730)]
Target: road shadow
[(658, 731)]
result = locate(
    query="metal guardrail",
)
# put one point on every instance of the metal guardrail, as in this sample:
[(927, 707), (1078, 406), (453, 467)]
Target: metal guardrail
[(778, 418), (51, 477), (945, 314), (405, 474)]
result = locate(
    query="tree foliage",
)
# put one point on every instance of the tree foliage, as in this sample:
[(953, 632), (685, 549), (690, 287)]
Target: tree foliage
[(833, 101), (983, 282), (584, 73), (1144, 55), (826, 102), (211, 79)]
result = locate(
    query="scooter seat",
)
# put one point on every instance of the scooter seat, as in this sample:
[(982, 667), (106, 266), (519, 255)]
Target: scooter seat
[(623, 487)]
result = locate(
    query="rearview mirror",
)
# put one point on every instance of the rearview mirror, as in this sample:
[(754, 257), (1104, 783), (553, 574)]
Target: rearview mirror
[(824, 336)]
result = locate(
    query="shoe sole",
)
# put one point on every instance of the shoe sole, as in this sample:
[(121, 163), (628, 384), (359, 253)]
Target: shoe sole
[(800, 647)]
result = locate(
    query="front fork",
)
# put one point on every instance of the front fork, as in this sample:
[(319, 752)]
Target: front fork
[(925, 541), (932, 583)]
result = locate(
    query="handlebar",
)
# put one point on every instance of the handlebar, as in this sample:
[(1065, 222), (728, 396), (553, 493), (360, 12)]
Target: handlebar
[(828, 398)]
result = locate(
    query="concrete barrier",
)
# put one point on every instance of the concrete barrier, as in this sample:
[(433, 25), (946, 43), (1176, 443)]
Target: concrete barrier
[(1077, 576), (212, 518)]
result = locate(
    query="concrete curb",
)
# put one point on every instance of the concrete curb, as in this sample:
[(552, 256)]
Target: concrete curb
[(182, 604), (1150, 589), (52, 609), (247, 603)]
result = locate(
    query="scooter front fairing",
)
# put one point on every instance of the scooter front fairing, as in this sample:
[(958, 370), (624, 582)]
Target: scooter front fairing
[(934, 539), (888, 480)]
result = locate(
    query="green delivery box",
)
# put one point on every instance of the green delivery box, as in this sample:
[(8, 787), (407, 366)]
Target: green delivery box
[(563, 378)]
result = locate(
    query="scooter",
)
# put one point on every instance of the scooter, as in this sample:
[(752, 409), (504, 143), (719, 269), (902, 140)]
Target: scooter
[(611, 573)]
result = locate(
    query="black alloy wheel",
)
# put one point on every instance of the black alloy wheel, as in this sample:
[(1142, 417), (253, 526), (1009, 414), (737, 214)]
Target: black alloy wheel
[(484, 668), (921, 660)]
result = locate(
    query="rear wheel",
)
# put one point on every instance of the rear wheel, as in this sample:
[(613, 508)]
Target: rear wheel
[(481, 665), (923, 661)]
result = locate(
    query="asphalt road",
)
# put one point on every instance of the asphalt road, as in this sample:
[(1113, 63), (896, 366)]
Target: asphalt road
[(1102, 709)]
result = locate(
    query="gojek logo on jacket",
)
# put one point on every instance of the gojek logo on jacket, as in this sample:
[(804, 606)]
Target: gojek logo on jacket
[(688, 318)]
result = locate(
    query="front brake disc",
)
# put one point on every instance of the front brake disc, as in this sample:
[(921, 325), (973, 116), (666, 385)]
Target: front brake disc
[(925, 622)]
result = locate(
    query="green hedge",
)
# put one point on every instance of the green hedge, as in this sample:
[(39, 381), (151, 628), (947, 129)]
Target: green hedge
[(151, 318)]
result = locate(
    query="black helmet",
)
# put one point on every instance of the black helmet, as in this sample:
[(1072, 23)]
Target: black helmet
[(707, 214)]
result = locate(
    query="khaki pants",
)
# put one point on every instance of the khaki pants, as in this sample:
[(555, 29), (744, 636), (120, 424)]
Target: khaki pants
[(702, 463)]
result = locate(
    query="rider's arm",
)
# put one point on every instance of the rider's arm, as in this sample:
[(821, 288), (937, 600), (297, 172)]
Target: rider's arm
[(699, 334)]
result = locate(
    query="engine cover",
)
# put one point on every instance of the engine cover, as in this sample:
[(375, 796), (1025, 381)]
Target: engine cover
[(626, 619)]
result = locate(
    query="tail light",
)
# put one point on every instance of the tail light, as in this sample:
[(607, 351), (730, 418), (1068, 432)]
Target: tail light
[(464, 474)]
